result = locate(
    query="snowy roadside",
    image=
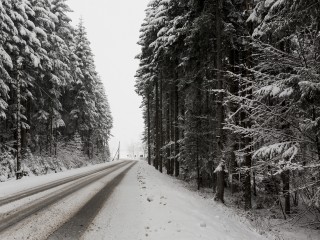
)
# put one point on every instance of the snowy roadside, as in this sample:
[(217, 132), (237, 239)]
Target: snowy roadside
[(188, 215), (155, 206), (13, 186), (192, 209), (151, 205)]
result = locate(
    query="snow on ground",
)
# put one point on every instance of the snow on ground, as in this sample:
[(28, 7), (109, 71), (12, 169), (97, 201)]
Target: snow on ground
[(287, 231), (146, 205), (151, 205), (13, 186)]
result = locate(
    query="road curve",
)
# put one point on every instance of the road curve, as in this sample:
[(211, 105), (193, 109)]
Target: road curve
[(74, 184)]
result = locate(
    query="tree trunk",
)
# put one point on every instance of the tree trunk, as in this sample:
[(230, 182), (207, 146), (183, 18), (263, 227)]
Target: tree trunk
[(51, 131), (168, 125), (247, 182), (248, 155), (19, 169), (172, 137), (286, 190), (234, 89), (220, 184), (198, 168), (176, 133), (219, 130), (248, 124), (89, 145), (233, 185), (317, 142), (157, 143), (160, 127), (56, 142), (24, 131), (254, 184), (149, 129)]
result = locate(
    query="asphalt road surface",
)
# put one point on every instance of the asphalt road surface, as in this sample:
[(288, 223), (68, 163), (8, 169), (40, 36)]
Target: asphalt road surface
[(61, 209)]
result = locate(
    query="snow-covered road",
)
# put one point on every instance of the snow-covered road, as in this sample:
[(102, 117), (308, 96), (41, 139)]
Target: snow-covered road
[(150, 205), (130, 202), (43, 214)]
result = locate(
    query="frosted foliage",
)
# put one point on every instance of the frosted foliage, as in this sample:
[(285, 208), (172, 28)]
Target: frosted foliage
[(317, 198), (268, 3), (3, 106), (286, 92), (220, 167), (35, 60), (7, 166), (5, 58), (39, 47), (272, 90), (272, 150)]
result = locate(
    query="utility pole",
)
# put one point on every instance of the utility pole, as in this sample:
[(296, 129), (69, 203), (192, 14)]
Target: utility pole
[(117, 155), (119, 151)]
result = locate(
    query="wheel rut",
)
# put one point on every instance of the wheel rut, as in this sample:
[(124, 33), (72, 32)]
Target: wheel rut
[(33, 191), (76, 226), (16, 216)]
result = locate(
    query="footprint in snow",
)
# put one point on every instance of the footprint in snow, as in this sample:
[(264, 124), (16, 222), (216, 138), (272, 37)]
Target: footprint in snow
[(203, 225), (164, 204)]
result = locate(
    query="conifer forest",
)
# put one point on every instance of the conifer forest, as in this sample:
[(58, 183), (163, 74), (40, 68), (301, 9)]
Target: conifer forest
[(214, 132), (231, 97), (50, 93)]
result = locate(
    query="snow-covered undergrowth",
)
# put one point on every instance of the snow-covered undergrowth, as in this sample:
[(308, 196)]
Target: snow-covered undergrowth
[(67, 157), (266, 218), (7, 166)]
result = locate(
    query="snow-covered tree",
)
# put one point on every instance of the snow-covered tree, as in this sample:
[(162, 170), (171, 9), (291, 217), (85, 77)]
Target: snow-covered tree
[(45, 74)]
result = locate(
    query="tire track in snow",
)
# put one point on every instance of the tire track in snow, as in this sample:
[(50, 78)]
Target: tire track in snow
[(23, 212), (35, 190), (75, 227)]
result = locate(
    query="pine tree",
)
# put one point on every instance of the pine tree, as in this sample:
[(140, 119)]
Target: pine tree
[(46, 72)]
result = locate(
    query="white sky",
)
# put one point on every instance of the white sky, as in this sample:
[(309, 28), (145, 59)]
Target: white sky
[(113, 30)]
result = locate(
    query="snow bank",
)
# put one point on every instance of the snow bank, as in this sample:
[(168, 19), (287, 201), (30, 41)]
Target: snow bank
[(33, 164)]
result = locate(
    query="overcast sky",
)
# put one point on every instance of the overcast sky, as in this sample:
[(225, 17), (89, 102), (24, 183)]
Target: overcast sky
[(113, 30)]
